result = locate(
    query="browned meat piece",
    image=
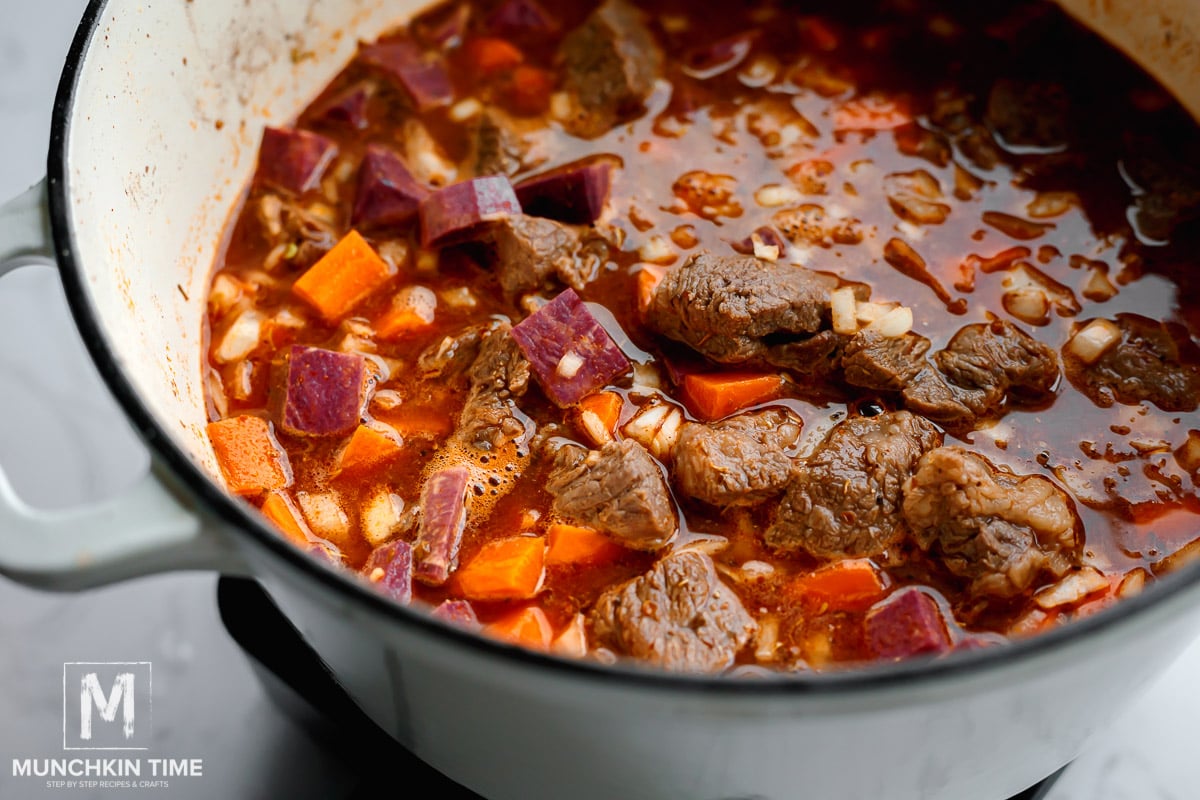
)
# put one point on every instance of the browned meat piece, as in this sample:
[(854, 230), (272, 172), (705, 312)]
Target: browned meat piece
[(1029, 116), (1000, 360), (884, 363), (453, 355), (736, 309), (844, 501), (496, 149), (1002, 531), (932, 396), (612, 62), (1149, 364), (530, 252), (740, 461), (678, 616), (500, 374), (300, 237), (819, 356), (1169, 189), (619, 491)]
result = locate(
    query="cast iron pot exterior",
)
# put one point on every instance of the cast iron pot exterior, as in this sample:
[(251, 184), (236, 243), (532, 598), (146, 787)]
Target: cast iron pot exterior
[(155, 130)]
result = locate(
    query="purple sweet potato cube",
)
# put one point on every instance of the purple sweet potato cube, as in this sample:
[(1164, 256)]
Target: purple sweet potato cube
[(443, 517), (521, 18), (346, 109), (388, 195), (422, 75), (452, 214), (457, 612), (326, 392), (906, 624), (390, 570), (443, 25), (570, 352), (575, 194), (294, 160)]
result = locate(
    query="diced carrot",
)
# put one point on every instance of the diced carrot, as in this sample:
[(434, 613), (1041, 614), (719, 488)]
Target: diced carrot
[(529, 90), (249, 455), (507, 569), (599, 415), (717, 396), (568, 544), (400, 322), (845, 586), (527, 627), (487, 55), (871, 113), (647, 281), (368, 449), (343, 278), (279, 509)]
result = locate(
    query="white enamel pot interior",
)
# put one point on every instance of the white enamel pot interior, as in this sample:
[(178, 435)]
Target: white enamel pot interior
[(156, 128)]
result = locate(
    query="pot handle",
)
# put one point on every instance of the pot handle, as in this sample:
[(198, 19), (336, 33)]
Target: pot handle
[(148, 529)]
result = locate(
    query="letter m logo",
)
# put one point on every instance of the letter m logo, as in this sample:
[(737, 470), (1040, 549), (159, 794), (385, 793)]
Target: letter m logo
[(106, 706)]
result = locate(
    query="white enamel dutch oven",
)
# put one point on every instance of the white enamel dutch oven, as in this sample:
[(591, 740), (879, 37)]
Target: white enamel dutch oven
[(155, 132)]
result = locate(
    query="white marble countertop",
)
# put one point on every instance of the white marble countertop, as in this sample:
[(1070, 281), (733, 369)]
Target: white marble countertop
[(63, 442)]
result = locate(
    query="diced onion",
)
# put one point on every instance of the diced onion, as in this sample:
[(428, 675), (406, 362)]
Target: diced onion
[(569, 365), (657, 428), (1188, 454), (767, 252), (381, 516), (757, 569), (1094, 340), (845, 311), (1187, 554), (766, 644), (1071, 589), (775, 195), (464, 110), (462, 297), (594, 427), (324, 515), (561, 106), (1132, 584), (1098, 287), (658, 250), (241, 338), (894, 323), (420, 300), (224, 294), (868, 312), (1027, 304)]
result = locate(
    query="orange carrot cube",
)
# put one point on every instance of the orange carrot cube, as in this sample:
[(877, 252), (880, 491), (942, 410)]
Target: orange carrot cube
[(280, 510), (368, 449), (249, 455), (507, 569), (713, 397), (568, 544), (343, 278), (528, 627)]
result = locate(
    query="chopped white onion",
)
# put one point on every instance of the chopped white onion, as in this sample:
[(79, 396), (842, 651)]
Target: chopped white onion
[(420, 300), (1071, 589), (241, 338), (775, 195), (1027, 304), (868, 312), (1132, 584), (1098, 287), (658, 250), (595, 429), (325, 516), (894, 323), (1094, 340), (767, 252), (381, 516), (462, 297), (657, 428), (845, 311), (569, 365), (464, 110), (766, 643)]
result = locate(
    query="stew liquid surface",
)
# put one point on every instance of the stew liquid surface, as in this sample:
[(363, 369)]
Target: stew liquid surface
[(834, 335)]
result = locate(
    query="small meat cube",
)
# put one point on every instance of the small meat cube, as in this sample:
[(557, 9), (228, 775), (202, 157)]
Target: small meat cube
[(738, 309), (1001, 360), (612, 62), (499, 374), (388, 195), (1148, 364), (326, 392), (531, 252), (249, 456), (294, 160), (999, 530), (443, 518), (619, 491), (569, 351), (905, 625), (678, 616), (390, 570), (496, 146), (844, 501), (740, 461), (884, 363)]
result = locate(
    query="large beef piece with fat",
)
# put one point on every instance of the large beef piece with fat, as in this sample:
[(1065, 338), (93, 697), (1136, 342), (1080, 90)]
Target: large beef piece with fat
[(611, 63), (999, 530), (678, 616), (844, 501), (618, 490)]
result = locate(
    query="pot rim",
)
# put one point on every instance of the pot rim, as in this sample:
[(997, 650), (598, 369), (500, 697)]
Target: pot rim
[(238, 516)]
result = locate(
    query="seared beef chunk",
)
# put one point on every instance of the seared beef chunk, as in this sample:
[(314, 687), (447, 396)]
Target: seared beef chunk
[(1169, 188), (612, 62), (739, 309), (1148, 364), (619, 491), (818, 357), (1029, 115), (496, 149), (740, 461), (531, 251), (678, 616), (1000, 360), (885, 363), (453, 355), (500, 374), (1002, 531), (983, 367), (844, 501)]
